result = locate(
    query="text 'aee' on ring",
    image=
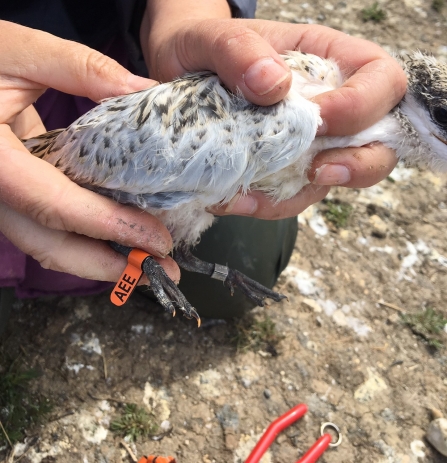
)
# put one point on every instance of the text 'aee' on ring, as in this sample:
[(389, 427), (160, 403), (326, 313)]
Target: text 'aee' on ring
[(336, 429)]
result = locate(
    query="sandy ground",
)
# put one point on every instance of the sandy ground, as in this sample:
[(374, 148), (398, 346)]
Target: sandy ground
[(352, 360)]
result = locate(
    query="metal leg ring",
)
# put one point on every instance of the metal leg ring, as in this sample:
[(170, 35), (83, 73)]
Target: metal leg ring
[(220, 272)]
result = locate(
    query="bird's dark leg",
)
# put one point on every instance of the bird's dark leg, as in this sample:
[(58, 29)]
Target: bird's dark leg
[(165, 290), (231, 278)]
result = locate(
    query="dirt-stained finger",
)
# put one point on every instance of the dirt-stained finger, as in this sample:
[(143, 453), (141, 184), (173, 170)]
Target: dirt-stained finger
[(67, 252)]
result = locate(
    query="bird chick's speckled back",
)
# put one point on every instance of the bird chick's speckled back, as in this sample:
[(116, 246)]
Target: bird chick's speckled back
[(180, 147)]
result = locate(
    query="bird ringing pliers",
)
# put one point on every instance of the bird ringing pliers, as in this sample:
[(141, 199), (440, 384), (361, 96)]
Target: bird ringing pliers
[(281, 423)]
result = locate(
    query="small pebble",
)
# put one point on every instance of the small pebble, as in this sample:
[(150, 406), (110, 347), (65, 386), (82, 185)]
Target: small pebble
[(437, 435), (246, 383), (267, 393), (418, 448), (165, 425), (436, 413), (379, 227), (387, 414)]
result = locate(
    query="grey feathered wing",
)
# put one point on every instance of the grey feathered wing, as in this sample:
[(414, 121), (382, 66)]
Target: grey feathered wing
[(190, 138)]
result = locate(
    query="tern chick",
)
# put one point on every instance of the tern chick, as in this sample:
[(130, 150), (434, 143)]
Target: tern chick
[(176, 149)]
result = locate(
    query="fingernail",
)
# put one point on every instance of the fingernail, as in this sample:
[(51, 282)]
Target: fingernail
[(322, 128), (264, 75), (136, 83), (242, 204), (160, 254), (144, 281), (162, 250), (332, 174)]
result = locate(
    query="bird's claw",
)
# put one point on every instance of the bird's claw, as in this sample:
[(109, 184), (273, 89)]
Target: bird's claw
[(251, 288), (192, 313), (232, 278), (166, 291), (170, 309), (189, 312)]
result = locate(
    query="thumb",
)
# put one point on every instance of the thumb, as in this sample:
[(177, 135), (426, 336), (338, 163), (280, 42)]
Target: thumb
[(36, 57), (239, 55)]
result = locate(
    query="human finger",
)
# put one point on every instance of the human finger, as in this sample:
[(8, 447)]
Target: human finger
[(257, 205), (375, 81), (67, 252), (239, 55), (374, 84), (48, 61), (54, 201), (27, 124), (354, 106), (353, 167)]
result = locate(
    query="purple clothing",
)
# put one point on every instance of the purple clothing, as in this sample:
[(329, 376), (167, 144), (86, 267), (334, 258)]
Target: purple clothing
[(31, 280)]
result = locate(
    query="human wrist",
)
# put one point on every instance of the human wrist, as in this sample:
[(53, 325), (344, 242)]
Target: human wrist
[(165, 12), (166, 20)]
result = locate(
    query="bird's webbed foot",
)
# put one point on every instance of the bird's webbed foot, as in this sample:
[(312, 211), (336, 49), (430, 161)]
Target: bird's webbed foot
[(231, 278), (165, 290)]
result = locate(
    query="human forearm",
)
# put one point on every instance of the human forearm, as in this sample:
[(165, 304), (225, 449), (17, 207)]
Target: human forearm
[(174, 11)]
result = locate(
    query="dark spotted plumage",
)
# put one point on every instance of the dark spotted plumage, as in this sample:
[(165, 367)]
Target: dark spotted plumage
[(176, 149)]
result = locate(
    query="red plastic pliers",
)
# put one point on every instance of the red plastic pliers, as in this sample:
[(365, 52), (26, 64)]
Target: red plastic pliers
[(284, 421), (281, 423)]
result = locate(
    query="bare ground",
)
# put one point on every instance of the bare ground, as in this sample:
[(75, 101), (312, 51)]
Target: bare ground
[(351, 359)]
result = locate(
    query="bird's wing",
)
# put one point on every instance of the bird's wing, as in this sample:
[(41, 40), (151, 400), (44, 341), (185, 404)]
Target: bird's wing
[(163, 146), (171, 140), (39, 146)]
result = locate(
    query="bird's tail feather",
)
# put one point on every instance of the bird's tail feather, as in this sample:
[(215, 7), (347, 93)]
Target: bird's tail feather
[(40, 145)]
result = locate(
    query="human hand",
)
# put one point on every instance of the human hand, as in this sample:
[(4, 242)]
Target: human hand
[(41, 211), (245, 55)]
